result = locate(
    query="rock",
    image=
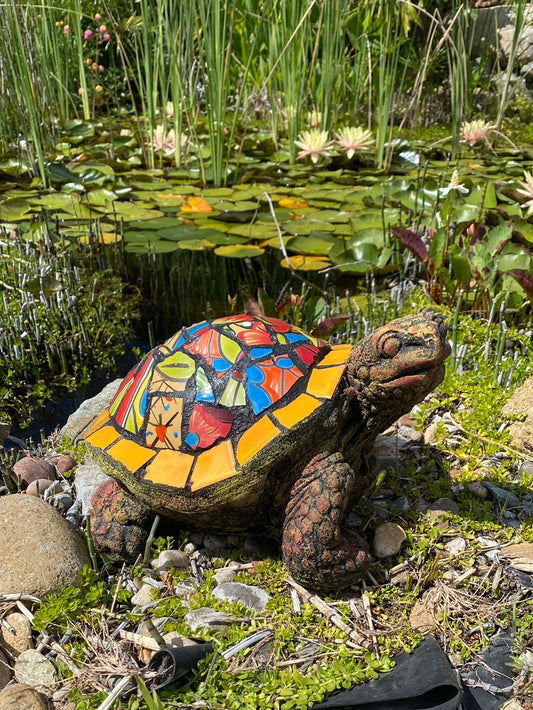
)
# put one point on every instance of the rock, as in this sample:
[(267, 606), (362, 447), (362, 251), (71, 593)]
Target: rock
[(39, 486), (443, 505), (521, 402), (455, 545), (22, 697), (207, 618), (40, 552), (64, 463), (388, 540), (420, 618), (81, 419), (32, 668), (248, 595), (225, 575), (144, 596), (171, 559), (526, 467), (28, 469), (506, 498), (478, 489), (14, 643), (87, 479), (520, 556), (5, 670)]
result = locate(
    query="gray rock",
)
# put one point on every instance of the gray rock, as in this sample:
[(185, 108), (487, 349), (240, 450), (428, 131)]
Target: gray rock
[(207, 618), (171, 559), (502, 496), (33, 669), (226, 574), (249, 596), (40, 552), (22, 697), (88, 477), (388, 540), (87, 412)]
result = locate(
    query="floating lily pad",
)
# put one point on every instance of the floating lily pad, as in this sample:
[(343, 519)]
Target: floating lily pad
[(254, 231), (239, 251), (13, 210), (305, 263), (152, 247), (101, 196), (195, 244), (156, 223), (196, 205), (130, 211), (315, 244)]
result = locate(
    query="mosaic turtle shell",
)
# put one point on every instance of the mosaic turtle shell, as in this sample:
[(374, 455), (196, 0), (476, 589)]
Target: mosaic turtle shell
[(200, 406)]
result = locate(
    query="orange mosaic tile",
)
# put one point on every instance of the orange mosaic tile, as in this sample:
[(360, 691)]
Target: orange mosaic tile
[(131, 455), (97, 423), (323, 381), (213, 465), (254, 438), (171, 468), (103, 437), (337, 355), (297, 410)]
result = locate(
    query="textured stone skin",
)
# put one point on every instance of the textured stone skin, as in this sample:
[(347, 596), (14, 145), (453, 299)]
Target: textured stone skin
[(301, 485)]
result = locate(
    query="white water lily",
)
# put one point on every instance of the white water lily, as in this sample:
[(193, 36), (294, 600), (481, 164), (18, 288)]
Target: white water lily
[(314, 144), (454, 186), (474, 131), (353, 139)]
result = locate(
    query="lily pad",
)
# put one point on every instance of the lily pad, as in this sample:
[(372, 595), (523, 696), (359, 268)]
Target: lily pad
[(305, 263), (239, 251), (195, 244), (13, 210), (315, 244), (129, 211)]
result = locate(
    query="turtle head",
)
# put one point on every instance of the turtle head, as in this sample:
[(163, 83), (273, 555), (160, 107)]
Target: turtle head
[(396, 366)]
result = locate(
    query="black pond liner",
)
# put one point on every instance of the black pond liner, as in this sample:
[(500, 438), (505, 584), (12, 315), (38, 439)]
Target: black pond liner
[(172, 663)]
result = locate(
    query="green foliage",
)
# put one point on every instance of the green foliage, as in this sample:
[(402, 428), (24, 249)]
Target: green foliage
[(60, 321)]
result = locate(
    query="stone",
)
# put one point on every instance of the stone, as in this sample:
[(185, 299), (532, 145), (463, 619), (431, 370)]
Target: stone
[(521, 402), (421, 619), (171, 559), (388, 540), (144, 596), (248, 595), (455, 545), (39, 486), (505, 498), (5, 670), (16, 641), (224, 575), (64, 463), (87, 412), (32, 668), (41, 553), (207, 618), (28, 469), (520, 556), (478, 489), (87, 479), (22, 697), (443, 505)]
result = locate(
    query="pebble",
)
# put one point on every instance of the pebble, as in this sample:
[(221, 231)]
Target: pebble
[(63, 463), (88, 478), (526, 467), (420, 618), (206, 618), (32, 668), (455, 546), (248, 595), (171, 559), (41, 553), (28, 469), (144, 596), (225, 575), (478, 489), (388, 540), (40, 485), (442, 506), (22, 697), (16, 641)]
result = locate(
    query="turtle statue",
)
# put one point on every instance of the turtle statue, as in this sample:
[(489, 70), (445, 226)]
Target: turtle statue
[(250, 424)]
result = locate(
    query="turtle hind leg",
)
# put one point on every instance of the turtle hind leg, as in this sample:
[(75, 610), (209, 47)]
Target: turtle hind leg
[(317, 551), (118, 522)]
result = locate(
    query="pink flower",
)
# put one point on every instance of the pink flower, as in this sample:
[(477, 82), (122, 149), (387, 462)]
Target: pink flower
[(87, 34), (102, 29), (106, 36), (66, 30), (97, 17)]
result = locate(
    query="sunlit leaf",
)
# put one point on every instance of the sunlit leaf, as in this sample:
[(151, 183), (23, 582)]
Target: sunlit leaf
[(293, 203), (130, 211), (195, 244), (196, 205), (240, 251), (305, 263)]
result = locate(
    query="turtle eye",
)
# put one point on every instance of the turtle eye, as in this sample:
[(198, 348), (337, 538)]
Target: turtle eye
[(391, 346)]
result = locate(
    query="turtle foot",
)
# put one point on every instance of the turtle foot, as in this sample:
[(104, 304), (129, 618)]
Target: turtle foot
[(118, 522)]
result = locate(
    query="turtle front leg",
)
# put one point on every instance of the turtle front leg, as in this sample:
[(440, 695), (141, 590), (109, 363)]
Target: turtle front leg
[(317, 551), (118, 522)]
